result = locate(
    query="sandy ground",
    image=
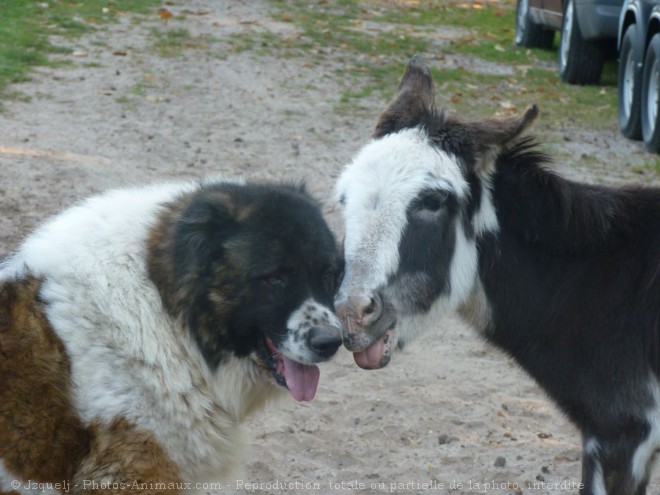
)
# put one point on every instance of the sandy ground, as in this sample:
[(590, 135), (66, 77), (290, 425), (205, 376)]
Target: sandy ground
[(450, 412)]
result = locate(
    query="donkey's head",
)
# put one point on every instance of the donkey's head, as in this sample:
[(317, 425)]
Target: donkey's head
[(414, 199)]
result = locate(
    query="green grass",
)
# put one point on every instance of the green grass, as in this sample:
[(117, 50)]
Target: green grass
[(371, 41), (172, 42), (377, 38), (651, 167), (26, 27)]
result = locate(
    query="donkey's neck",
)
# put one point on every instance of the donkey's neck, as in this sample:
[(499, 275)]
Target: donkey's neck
[(546, 212), (554, 275)]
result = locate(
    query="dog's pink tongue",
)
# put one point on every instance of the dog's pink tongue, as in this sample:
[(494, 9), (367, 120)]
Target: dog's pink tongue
[(301, 379)]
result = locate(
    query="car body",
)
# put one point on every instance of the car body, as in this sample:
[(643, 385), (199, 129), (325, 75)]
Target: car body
[(588, 28), (639, 66)]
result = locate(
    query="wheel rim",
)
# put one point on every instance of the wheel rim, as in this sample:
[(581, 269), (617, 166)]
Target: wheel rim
[(628, 85), (521, 21), (566, 35), (652, 97)]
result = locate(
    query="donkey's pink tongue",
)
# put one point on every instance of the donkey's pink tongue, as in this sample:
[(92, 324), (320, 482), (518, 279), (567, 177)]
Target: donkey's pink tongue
[(373, 357), (301, 379)]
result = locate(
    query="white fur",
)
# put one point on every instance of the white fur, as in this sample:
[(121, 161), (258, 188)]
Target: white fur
[(377, 188), (300, 323), (645, 451), (129, 358), (383, 178), (591, 448), (485, 220)]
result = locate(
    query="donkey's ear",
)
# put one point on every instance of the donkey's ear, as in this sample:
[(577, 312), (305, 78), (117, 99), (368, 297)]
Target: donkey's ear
[(414, 99), (494, 133)]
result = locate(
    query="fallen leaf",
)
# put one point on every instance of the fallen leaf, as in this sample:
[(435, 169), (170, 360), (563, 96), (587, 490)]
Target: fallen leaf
[(165, 14), (456, 97)]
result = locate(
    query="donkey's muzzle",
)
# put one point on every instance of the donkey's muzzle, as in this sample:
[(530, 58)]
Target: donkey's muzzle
[(359, 314), (362, 309)]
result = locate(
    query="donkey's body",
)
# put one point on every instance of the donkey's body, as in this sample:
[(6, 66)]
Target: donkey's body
[(563, 276), (572, 286)]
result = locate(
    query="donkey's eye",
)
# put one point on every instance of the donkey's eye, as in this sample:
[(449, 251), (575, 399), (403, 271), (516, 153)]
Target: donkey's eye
[(432, 201)]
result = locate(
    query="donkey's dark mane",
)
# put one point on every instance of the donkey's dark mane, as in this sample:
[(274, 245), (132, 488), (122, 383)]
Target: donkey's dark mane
[(541, 208)]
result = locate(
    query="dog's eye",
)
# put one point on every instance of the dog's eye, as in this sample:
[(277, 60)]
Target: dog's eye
[(276, 281), (328, 275), (331, 279)]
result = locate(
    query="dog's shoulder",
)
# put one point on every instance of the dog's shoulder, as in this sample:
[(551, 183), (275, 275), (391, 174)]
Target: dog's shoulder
[(129, 358)]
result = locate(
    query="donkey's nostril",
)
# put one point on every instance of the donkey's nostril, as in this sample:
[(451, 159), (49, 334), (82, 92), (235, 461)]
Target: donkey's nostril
[(371, 307), (371, 312), (360, 308)]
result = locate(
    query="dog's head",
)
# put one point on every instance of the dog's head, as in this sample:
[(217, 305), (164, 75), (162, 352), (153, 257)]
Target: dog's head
[(252, 271)]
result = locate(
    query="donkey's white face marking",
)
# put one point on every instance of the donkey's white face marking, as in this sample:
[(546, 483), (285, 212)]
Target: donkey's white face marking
[(376, 190), (415, 200), (383, 193)]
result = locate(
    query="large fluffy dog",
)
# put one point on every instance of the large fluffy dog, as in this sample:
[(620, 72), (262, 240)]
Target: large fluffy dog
[(140, 327)]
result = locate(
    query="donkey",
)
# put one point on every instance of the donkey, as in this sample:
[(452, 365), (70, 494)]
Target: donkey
[(442, 215)]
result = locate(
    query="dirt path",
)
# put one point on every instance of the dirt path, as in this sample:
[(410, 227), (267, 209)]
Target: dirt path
[(450, 411)]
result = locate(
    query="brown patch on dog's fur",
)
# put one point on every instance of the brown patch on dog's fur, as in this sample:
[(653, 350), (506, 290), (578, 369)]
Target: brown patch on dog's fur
[(132, 459), (177, 292), (193, 285), (160, 252), (41, 438)]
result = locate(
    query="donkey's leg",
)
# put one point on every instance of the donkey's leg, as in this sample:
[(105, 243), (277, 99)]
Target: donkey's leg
[(593, 482), (619, 465)]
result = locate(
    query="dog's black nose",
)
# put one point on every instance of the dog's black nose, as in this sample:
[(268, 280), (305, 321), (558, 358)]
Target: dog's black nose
[(324, 341)]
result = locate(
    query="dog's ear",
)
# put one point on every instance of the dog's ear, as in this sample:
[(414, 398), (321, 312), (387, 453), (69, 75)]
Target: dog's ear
[(206, 225), (200, 232)]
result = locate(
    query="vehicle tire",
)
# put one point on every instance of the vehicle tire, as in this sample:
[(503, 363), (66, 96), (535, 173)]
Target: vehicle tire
[(630, 85), (650, 113), (580, 61), (528, 34)]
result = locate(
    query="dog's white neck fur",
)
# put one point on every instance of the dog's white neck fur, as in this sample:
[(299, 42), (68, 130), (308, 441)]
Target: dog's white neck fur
[(192, 410)]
